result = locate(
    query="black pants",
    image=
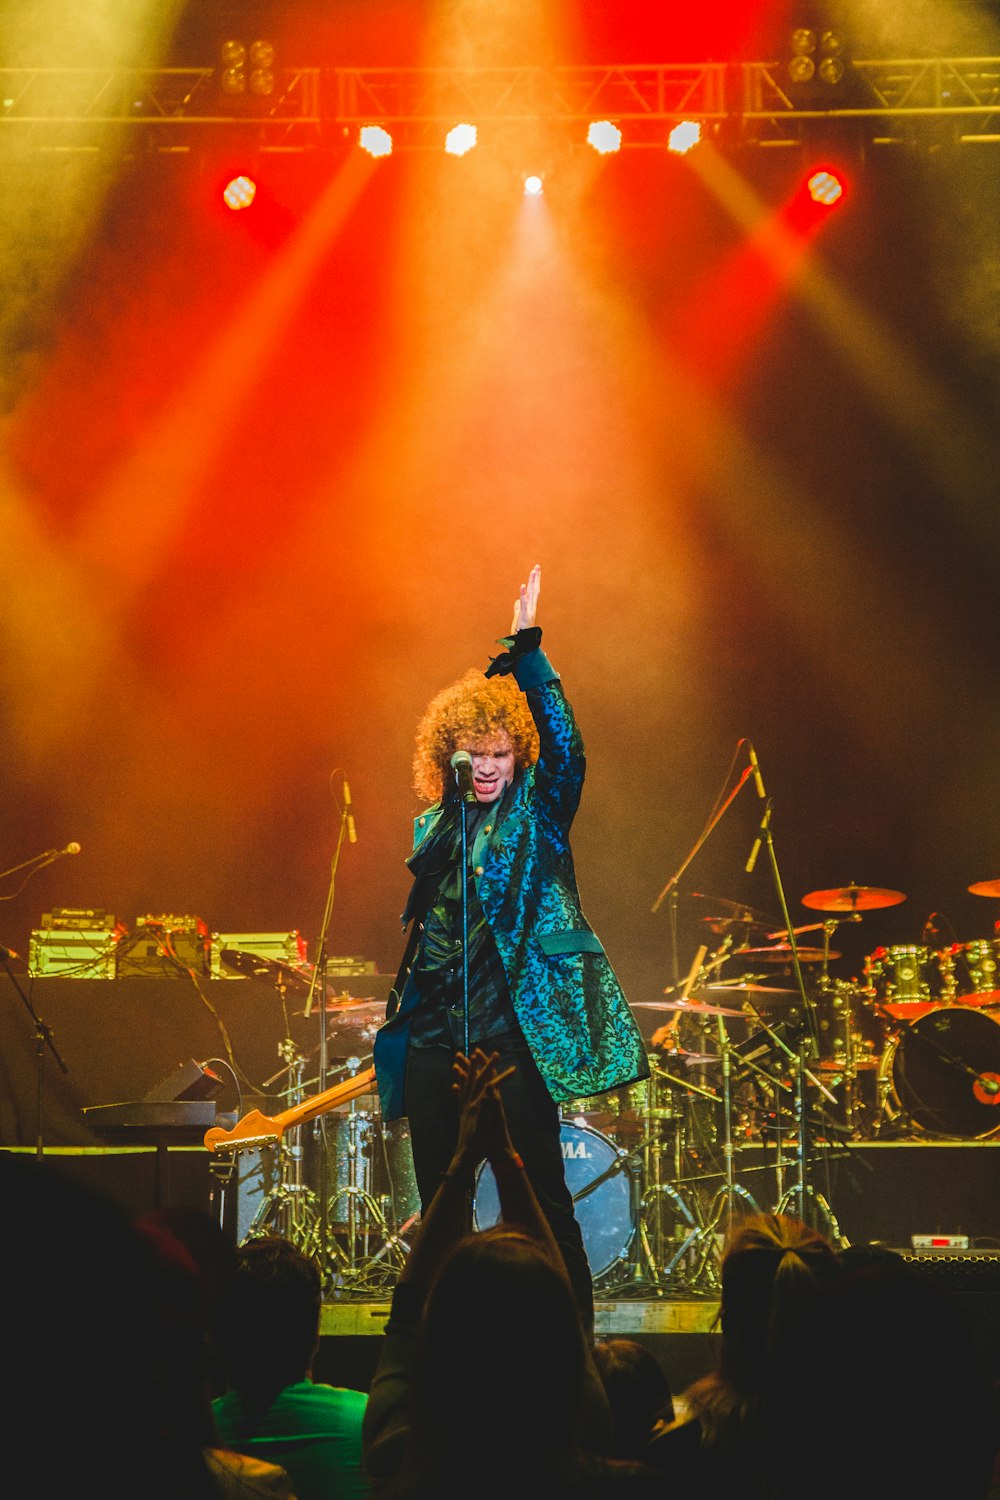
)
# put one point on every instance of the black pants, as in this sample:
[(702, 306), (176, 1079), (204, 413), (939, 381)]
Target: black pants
[(533, 1120)]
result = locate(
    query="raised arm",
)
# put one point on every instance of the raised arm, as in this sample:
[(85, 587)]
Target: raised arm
[(526, 603)]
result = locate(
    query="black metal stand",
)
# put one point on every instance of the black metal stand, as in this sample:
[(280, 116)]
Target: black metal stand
[(318, 984), (43, 1039)]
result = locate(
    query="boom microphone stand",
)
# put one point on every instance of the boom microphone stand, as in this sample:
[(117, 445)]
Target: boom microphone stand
[(808, 1047)]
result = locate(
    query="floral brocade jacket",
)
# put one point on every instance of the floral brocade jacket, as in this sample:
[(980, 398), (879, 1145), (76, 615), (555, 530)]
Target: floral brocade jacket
[(566, 995)]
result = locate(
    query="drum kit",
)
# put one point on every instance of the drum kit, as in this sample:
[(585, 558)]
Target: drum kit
[(767, 1060)]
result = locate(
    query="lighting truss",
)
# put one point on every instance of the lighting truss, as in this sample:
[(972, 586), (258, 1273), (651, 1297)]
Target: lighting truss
[(312, 108)]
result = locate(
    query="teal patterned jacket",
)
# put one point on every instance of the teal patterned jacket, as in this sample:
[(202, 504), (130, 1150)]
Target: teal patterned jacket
[(567, 998)]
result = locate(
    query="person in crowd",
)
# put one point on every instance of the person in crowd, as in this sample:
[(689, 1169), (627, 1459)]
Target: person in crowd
[(103, 1380), (267, 1332), (638, 1391), (486, 1383), (773, 1267), (500, 954), (888, 1377)]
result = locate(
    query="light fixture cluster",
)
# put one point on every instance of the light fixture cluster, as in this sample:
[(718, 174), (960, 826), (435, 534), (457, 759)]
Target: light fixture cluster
[(247, 68), (603, 136), (815, 55)]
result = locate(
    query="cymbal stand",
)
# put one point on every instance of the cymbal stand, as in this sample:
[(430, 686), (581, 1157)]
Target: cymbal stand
[(801, 1191), (663, 1259), (290, 1208), (364, 1215), (720, 1215)]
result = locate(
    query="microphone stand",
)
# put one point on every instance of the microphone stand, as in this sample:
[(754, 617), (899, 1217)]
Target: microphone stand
[(670, 889), (43, 1039), (318, 982)]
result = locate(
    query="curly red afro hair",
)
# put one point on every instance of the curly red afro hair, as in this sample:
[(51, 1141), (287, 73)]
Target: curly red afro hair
[(470, 714)]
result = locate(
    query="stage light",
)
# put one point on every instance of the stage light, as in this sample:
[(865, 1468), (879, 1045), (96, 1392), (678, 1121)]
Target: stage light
[(460, 139), (685, 135), (604, 136), (831, 63), (239, 192), (375, 139), (262, 68), (533, 186), (825, 187), (802, 44), (232, 58)]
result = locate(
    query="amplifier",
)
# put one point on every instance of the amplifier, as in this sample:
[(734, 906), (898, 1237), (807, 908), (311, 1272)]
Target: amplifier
[(165, 947), (80, 955), (76, 943)]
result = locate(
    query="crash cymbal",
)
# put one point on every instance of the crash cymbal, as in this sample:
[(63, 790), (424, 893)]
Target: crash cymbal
[(985, 888), (689, 1007), (852, 898), (781, 953), (746, 987)]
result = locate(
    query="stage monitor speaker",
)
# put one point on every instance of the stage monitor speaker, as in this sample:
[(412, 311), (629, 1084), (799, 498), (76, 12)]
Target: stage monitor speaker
[(191, 1080)]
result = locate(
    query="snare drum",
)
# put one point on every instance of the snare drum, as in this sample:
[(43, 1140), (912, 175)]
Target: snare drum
[(598, 1177)]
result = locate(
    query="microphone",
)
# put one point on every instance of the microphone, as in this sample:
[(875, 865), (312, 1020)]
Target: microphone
[(73, 848), (8, 952), (461, 764), (757, 777), (352, 832), (764, 822)]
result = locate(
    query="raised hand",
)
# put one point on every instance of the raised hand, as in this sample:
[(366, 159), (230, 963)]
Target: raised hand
[(526, 602)]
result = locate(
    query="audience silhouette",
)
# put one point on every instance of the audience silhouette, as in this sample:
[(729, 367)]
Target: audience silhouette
[(267, 1332), (773, 1266), (103, 1348), (486, 1384)]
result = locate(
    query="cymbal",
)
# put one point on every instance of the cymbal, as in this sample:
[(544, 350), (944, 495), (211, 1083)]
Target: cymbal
[(852, 898), (781, 953), (985, 888), (690, 1007), (738, 908), (722, 925), (746, 987), (689, 1059)]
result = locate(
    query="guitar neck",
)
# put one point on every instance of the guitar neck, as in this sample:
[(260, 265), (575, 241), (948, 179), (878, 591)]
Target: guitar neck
[(256, 1129)]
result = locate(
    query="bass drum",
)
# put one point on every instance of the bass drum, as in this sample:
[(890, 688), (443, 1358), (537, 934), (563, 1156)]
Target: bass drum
[(602, 1189), (943, 1073)]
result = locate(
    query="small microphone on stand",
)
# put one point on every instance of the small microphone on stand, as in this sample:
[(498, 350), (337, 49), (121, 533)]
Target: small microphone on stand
[(461, 764), (352, 832), (758, 779), (764, 823)]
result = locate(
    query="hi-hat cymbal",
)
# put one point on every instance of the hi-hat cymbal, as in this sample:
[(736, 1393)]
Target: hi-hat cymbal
[(985, 888), (690, 1007), (748, 987), (852, 898), (781, 953)]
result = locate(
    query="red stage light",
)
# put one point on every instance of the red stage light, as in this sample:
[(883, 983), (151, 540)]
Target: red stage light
[(239, 192), (825, 186)]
